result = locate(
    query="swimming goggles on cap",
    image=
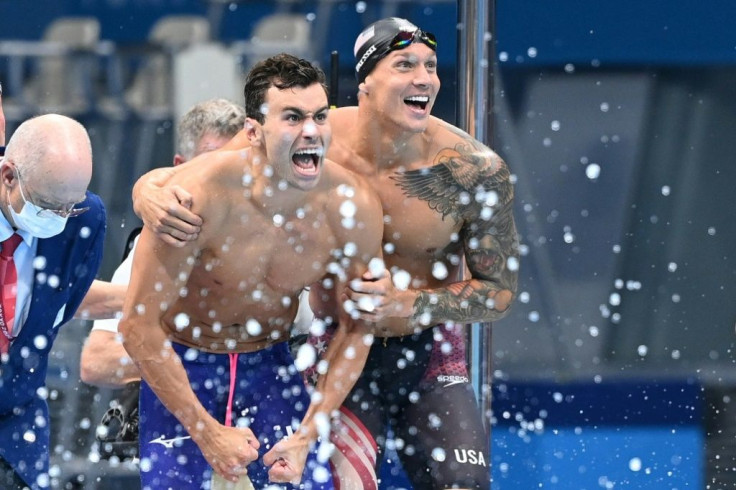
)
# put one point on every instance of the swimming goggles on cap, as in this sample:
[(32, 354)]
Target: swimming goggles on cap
[(405, 38)]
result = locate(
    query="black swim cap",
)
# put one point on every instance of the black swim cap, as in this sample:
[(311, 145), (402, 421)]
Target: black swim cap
[(383, 36)]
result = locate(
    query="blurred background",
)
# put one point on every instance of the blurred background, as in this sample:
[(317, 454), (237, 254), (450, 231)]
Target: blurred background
[(615, 367)]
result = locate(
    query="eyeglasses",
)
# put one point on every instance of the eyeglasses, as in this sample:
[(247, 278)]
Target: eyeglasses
[(42, 212), (405, 38)]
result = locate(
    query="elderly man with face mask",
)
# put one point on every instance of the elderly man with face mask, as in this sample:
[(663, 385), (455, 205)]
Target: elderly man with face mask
[(52, 232)]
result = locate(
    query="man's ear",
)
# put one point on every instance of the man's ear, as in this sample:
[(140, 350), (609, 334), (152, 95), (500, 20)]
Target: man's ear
[(7, 175), (253, 131), (178, 159)]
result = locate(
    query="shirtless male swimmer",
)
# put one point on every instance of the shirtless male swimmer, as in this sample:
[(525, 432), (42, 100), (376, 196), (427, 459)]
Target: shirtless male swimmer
[(207, 322)]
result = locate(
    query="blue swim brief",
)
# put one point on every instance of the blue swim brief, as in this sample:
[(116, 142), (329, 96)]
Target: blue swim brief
[(269, 397)]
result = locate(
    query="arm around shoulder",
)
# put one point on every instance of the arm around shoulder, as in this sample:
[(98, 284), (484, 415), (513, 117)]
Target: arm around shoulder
[(166, 209)]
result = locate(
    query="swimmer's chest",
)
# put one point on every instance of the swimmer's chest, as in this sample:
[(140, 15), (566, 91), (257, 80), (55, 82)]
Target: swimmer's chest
[(412, 228), (282, 256)]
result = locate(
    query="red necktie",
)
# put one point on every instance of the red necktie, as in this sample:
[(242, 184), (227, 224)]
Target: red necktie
[(8, 290)]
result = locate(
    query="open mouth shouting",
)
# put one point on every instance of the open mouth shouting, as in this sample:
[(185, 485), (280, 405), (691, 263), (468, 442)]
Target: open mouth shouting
[(417, 103), (306, 161)]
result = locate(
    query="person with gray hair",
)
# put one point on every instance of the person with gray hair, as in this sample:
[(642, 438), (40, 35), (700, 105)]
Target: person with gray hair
[(205, 127), (52, 232)]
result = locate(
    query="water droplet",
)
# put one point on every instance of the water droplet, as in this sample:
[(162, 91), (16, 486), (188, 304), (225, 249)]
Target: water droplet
[(181, 321), (320, 474), (439, 271), (53, 281), (365, 303), (348, 223), (29, 436), (401, 280), (39, 263), (253, 327), (350, 249), (306, 356), (593, 171), (348, 209), (438, 454), (350, 353), (40, 342), (376, 267)]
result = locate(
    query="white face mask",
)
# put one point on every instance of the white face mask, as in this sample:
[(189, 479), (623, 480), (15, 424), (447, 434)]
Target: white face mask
[(38, 226), (34, 221)]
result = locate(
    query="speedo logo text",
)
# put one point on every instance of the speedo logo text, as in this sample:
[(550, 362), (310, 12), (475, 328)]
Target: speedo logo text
[(451, 380)]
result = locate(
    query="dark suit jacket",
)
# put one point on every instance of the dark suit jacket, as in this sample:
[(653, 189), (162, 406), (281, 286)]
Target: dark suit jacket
[(65, 266)]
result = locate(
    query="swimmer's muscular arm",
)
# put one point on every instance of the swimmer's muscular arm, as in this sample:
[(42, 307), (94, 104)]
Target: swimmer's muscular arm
[(488, 233), (348, 348), (343, 370), (143, 335), (158, 275), (367, 236), (460, 175)]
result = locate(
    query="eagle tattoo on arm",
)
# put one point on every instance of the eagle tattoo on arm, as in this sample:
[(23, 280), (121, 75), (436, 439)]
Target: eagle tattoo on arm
[(470, 184)]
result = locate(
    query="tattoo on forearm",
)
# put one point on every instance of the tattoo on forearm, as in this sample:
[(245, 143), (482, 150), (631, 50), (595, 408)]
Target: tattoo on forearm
[(491, 251), (465, 302)]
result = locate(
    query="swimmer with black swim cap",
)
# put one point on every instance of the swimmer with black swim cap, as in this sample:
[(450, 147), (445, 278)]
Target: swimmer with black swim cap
[(380, 38)]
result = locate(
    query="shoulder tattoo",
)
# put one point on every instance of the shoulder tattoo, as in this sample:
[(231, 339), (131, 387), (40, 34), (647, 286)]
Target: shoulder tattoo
[(460, 182)]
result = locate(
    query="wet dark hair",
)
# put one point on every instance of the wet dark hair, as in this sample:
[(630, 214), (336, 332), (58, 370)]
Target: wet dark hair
[(281, 71)]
